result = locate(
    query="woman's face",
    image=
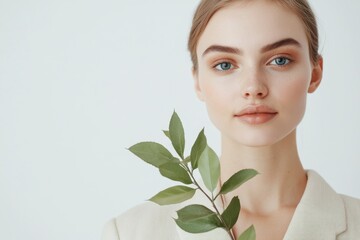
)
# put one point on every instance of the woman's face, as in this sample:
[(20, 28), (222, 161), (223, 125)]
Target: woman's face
[(254, 60)]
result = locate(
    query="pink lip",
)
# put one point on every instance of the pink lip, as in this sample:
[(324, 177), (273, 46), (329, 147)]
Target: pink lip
[(256, 114)]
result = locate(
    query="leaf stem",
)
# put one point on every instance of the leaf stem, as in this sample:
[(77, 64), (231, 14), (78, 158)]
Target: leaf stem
[(216, 196), (211, 199)]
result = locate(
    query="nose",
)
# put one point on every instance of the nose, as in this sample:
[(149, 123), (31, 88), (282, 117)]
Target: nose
[(254, 85)]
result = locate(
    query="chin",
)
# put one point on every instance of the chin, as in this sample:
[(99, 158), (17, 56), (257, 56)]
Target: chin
[(261, 139), (257, 142)]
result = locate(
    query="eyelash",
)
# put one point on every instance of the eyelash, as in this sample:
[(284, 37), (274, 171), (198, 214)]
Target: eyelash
[(288, 61), (219, 64)]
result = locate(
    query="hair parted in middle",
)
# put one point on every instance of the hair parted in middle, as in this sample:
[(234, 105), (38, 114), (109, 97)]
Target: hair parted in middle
[(207, 8)]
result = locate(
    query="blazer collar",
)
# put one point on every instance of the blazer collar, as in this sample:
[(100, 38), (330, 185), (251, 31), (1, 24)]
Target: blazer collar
[(320, 214)]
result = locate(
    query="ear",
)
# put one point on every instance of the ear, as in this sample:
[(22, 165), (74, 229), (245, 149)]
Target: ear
[(316, 75), (197, 88)]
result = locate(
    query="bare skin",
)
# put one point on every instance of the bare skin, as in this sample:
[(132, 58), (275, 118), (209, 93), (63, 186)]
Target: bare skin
[(257, 72), (269, 200)]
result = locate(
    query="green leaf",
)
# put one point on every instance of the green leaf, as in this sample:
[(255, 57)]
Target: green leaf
[(197, 219), (209, 167), (175, 172), (248, 234), (172, 195), (177, 135), (237, 179), (167, 133), (231, 213), (152, 153), (197, 149)]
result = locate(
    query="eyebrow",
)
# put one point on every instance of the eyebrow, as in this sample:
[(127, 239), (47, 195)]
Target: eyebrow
[(281, 43), (269, 47), (219, 48)]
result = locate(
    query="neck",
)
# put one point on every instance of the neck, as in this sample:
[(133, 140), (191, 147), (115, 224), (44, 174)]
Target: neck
[(281, 181)]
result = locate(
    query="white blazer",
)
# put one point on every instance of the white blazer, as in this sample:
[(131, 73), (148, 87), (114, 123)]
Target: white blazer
[(321, 214)]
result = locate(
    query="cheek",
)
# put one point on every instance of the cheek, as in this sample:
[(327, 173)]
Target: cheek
[(293, 95), (217, 97), (212, 90)]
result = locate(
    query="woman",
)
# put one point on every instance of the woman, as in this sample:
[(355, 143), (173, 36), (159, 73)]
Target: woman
[(254, 62)]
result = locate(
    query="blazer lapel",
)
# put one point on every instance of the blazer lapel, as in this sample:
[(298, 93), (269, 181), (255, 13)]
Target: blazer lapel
[(320, 213)]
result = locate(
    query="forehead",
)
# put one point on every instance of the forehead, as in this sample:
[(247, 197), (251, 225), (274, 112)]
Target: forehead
[(250, 25)]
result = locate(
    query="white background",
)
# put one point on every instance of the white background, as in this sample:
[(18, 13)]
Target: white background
[(82, 80)]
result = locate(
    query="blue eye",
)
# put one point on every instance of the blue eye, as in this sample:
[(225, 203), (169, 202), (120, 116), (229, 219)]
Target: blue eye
[(224, 66), (280, 61)]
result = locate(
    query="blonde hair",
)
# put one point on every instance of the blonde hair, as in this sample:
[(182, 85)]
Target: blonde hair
[(207, 8)]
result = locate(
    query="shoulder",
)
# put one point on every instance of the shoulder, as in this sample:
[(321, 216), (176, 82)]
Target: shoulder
[(352, 204), (340, 211), (110, 231), (147, 220), (352, 211), (147, 214), (337, 212)]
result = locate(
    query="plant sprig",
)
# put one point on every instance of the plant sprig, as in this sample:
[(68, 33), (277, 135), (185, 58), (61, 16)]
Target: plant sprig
[(194, 218)]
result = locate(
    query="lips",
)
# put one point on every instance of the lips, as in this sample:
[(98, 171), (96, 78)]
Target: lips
[(256, 114)]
